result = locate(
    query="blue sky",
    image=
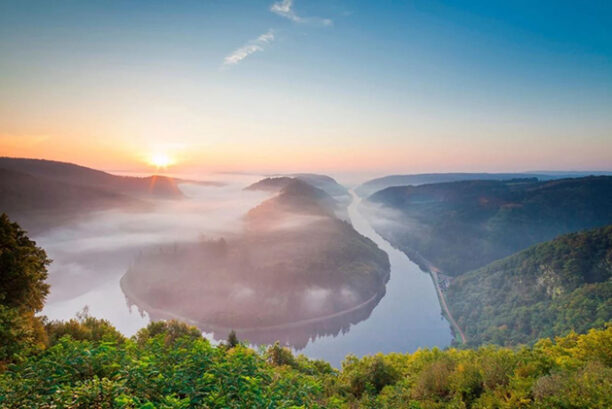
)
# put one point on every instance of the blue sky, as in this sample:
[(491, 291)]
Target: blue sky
[(385, 86)]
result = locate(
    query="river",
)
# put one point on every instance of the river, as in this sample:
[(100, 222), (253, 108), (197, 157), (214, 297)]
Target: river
[(90, 258), (407, 318)]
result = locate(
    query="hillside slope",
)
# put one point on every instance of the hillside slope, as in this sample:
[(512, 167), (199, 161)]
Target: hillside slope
[(462, 226), (323, 182), (326, 193), (20, 192), (152, 186), (372, 186), (547, 290), (326, 183), (39, 203), (271, 184)]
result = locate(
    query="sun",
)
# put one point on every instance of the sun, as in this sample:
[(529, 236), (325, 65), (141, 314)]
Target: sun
[(160, 160)]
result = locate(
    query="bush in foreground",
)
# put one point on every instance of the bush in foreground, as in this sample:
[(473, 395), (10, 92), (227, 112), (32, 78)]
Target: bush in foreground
[(169, 365)]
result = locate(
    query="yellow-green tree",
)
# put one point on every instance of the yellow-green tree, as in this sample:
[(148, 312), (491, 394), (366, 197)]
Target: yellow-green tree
[(23, 270)]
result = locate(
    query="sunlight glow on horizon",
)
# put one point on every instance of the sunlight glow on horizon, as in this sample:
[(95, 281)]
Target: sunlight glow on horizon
[(161, 161)]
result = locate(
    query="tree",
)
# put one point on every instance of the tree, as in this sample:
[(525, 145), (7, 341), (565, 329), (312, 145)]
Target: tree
[(84, 327), (23, 271), (171, 330), (278, 355), (232, 339)]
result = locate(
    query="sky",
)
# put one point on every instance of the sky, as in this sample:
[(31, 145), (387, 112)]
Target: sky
[(308, 85)]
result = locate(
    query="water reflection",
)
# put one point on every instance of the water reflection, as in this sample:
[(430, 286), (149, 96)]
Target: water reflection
[(296, 335)]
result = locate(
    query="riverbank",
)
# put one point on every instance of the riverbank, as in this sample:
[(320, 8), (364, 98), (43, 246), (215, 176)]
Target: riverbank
[(433, 271), (449, 316)]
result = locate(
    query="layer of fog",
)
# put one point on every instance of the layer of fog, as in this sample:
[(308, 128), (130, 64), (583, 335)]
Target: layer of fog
[(90, 255)]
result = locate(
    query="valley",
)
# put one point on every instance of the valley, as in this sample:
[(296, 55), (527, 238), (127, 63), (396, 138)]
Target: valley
[(303, 260)]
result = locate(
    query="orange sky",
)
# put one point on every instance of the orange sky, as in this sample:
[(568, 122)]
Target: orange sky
[(416, 155)]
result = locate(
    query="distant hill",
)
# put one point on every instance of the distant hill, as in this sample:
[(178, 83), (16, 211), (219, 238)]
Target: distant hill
[(271, 184), (462, 226), (565, 174), (296, 193), (38, 203), (544, 291), (374, 185), (40, 194), (20, 192), (325, 183), (153, 186), (295, 196)]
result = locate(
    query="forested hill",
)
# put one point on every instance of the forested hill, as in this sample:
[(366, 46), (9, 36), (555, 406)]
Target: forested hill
[(22, 193), (39, 203), (326, 183), (462, 226), (372, 186), (547, 290), (75, 175), (271, 184), (42, 194), (295, 195), (322, 182), (263, 278)]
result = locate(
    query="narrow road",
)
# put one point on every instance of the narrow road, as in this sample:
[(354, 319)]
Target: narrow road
[(434, 275)]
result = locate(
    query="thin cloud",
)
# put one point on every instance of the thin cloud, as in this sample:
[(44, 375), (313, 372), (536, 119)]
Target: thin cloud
[(284, 8), (251, 47)]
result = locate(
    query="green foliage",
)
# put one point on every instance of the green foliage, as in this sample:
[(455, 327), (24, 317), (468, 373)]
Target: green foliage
[(23, 270), (20, 335), (165, 369), (161, 370), (277, 355), (368, 375), (171, 331), (83, 328), (544, 291)]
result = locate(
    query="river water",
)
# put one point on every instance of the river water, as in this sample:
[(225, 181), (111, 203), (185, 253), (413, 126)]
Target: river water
[(91, 257), (407, 318)]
